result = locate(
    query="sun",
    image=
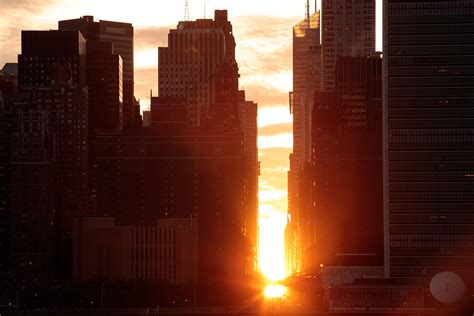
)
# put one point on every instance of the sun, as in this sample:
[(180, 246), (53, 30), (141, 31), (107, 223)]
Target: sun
[(274, 291)]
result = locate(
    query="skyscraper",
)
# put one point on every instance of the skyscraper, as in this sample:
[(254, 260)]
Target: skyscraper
[(52, 79), (343, 227), (105, 84), (32, 198), (348, 29), (428, 130), (306, 80), (121, 36), (195, 53), (248, 112)]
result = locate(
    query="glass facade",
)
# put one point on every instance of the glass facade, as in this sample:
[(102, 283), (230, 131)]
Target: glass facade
[(429, 138)]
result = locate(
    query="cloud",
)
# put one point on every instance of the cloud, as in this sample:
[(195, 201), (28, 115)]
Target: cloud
[(273, 115), (276, 141), (147, 37), (18, 15), (264, 56), (265, 96), (271, 195), (275, 129)]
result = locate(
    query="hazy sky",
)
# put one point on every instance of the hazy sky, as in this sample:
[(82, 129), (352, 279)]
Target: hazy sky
[(263, 31)]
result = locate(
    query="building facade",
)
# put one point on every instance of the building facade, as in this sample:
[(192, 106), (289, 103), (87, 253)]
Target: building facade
[(195, 53), (166, 251), (31, 198), (120, 35), (428, 130), (248, 113), (345, 224), (52, 77), (306, 80), (348, 29)]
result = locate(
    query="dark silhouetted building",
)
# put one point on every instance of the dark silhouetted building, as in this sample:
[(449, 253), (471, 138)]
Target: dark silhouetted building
[(50, 57), (9, 81), (120, 35), (248, 113), (105, 84), (429, 137), (344, 226), (195, 54), (52, 78), (174, 170), (32, 198), (165, 251), (8, 91)]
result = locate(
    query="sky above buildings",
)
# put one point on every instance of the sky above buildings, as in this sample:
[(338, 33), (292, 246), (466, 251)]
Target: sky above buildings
[(263, 31)]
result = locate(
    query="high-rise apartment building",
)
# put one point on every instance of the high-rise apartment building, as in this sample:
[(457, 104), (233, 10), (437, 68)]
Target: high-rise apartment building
[(190, 63), (429, 137), (120, 35), (348, 29)]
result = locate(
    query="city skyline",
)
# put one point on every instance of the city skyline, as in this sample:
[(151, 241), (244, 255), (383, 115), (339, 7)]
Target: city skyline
[(254, 158), (267, 82)]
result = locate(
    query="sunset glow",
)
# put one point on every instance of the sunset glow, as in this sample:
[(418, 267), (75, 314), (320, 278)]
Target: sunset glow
[(274, 291), (272, 252), (264, 54)]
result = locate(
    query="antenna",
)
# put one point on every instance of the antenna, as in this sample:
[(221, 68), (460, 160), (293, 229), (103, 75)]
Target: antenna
[(307, 9), (186, 11)]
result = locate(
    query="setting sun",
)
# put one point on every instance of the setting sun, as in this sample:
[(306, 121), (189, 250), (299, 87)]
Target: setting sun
[(274, 291)]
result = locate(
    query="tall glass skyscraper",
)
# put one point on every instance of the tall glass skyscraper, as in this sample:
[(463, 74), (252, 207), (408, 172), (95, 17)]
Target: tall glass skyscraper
[(429, 138)]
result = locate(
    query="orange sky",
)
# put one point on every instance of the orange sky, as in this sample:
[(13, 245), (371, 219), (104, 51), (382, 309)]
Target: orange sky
[(263, 31)]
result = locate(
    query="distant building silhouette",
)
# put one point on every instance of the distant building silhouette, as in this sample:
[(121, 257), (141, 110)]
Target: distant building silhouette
[(429, 127), (196, 50), (105, 83), (103, 64)]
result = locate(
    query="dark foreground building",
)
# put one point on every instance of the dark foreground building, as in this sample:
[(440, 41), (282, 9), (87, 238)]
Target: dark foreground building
[(345, 223), (429, 119)]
